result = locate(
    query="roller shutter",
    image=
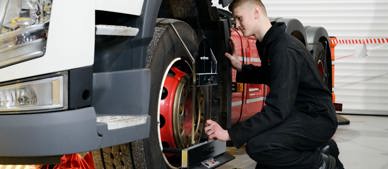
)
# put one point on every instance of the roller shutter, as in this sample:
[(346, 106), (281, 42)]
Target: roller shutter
[(361, 76)]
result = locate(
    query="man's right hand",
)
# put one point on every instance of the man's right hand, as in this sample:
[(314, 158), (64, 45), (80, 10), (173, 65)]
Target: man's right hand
[(215, 131), (235, 61)]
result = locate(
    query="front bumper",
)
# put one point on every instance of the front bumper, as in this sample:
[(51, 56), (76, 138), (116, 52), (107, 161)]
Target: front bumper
[(52, 134), (49, 133), (119, 115)]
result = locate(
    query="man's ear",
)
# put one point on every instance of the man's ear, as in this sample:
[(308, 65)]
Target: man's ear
[(257, 12)]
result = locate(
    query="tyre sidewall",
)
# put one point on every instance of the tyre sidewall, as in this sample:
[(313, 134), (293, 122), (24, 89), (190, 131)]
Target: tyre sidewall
[(165, 50)]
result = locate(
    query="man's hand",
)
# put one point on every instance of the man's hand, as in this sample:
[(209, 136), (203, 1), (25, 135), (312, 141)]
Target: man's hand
[(234, 60), (215, 131)]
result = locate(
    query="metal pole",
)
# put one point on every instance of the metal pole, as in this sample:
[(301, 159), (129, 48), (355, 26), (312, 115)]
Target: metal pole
[(194, 100)]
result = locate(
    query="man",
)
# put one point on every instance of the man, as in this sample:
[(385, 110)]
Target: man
[(298, 118)]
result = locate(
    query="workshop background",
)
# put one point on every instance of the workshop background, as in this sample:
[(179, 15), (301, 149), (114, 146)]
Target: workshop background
[(361, 74), (361, 69)]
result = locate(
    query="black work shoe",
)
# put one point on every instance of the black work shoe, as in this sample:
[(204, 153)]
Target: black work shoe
[(331, 148), (328, 162)]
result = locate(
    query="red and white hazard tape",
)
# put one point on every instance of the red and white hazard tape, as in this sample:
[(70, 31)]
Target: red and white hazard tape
[(359, 41)]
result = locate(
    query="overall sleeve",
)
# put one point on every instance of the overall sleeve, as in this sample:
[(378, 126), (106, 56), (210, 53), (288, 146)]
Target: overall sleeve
[(252, 74), (283, 77)]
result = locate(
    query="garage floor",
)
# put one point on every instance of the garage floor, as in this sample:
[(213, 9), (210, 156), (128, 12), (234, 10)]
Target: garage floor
[(363, 144)]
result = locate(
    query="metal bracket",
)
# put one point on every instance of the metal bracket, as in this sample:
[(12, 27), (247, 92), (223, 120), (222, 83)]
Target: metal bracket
[(209, 154), (183, 43), (194, 78)]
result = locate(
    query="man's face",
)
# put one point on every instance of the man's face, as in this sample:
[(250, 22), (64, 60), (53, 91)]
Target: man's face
[(244, 16)]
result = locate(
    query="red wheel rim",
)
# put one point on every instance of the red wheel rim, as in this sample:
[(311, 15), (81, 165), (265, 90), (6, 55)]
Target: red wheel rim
[(175, 110), (180, 126)]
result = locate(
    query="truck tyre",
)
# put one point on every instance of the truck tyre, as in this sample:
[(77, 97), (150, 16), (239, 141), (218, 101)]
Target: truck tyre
[(115, 157), (318, 45), (294, 28), (171, 72)]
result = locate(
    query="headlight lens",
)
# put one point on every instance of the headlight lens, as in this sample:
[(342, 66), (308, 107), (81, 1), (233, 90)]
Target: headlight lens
[(49, 93), (23, 30)]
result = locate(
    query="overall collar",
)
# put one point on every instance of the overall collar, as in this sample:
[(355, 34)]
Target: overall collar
[(276, 30)]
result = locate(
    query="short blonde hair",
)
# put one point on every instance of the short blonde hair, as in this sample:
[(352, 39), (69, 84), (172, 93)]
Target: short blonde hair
[(237, 3)]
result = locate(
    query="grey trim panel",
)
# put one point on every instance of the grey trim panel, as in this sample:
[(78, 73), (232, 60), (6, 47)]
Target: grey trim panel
[(122, 92), (123, 53), (57, 133), (149, 14), (48, 133)]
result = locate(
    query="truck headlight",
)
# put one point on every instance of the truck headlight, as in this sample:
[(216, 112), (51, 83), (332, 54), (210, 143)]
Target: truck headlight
[(23, 30), (43, 94)]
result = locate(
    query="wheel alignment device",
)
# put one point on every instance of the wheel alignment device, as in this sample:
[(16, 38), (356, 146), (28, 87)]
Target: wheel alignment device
[(208, 154)]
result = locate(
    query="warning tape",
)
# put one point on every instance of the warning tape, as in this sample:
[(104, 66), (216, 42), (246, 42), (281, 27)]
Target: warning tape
[(359, 41)]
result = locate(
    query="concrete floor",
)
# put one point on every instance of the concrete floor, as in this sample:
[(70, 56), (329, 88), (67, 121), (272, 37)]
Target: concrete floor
[(363, 144)]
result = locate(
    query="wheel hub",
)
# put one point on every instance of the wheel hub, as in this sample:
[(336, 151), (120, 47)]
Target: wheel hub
[(180, 124)]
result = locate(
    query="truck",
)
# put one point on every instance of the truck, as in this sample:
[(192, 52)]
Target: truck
[(130, 81)]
